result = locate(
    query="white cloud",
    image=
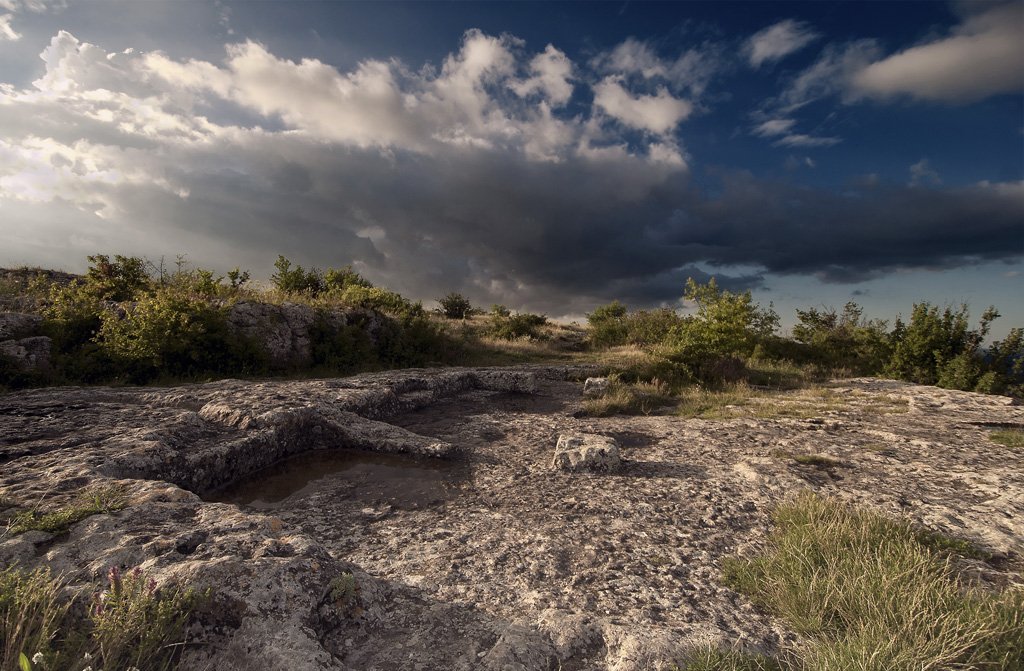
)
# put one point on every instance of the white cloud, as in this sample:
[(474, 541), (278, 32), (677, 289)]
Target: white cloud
[(778, 41), (923, 173), (692, 70), (552, 75), (802, 140), (659, 113), (832, 73), (6, 31), (983, 57), (774, 127)]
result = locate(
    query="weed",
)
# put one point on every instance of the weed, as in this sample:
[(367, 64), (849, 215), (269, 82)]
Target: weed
[(131, 623), (90, 502), (343, 589), (869, 593), (621, 398), (1008, 437), (716, 659)]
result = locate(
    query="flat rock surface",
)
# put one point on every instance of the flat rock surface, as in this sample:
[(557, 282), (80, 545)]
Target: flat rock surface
[(495, 560)]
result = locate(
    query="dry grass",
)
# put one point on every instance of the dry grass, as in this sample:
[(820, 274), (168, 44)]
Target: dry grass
[(875, 594), (1008, 437), (638, 398)]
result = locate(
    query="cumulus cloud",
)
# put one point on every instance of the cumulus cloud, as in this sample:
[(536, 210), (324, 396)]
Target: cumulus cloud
[(551, 75), (982, 57), (430, 181), (659, 113), (778, 41)]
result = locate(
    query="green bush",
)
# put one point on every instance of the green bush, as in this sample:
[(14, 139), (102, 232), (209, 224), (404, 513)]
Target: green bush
[(608, 325), (843, 340), (339, 279), (925, 349), (455, 306), (375, 298), (296, 280), (119, 280), (726, 324), (513, 327)]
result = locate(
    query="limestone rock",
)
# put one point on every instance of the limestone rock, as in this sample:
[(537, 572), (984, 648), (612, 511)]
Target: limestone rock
[(14, 325), (586, 452), (282, 330), (595, 387), (28, 353)]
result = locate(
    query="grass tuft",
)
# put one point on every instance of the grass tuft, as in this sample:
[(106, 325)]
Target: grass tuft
[(716, 659), (1008, 437), (874, 594), (638, 398), (130, 624), (90, 502)]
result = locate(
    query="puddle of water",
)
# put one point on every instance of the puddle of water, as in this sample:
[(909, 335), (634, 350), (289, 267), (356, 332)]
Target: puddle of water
[(402, 480)]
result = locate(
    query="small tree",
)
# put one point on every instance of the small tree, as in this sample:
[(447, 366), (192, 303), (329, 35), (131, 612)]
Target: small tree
[(608, 324), (455, 306), (726, 323), (117, 280), (297, 280)]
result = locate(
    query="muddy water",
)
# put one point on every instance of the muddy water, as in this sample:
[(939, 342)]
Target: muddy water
[(401, 480)]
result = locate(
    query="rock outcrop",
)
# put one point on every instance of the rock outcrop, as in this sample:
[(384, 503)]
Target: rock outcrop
[(586, 452), (14, 325), (31, 354), (517, 565)]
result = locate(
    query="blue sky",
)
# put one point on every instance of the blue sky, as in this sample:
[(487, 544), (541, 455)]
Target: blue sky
[(551, 156)]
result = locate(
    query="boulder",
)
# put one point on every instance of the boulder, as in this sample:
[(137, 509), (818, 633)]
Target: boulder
[(595, 387), (28, 353), (18, 325), (586, 452)]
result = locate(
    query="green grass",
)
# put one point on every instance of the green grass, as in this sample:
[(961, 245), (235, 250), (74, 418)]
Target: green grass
[(715, 659), (638, 398), (90, 502), (1008, 437), (872, 593), (131, 623)]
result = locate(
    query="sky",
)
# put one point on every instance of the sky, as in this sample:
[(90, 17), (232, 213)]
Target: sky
[(547, 156)]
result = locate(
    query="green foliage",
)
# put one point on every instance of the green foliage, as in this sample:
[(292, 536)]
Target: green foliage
[(455, 306), (31, 614), (938, 347), (716, 659), (515, 326), (339, 279), (130, 624), (119, 280), (624, 398), (297, 280), (871, 593), (843, 340), (90, 502), (375, 298), (725, 324), (608, 325), (237, 278)]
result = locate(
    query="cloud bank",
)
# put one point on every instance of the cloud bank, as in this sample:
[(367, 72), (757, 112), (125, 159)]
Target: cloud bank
[(514, 176)]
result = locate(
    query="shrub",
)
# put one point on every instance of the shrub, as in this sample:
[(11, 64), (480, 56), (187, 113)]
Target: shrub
[(843, 340), (725, 324), (622, 398), (608, 325), (513, 327), (119, 280), (924, 351), (297, 280), (455, 306), (382, 300), (90, 502), (339, 279)]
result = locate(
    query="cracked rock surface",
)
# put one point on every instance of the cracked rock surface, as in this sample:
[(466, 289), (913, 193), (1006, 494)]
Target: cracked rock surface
[(496, 561)]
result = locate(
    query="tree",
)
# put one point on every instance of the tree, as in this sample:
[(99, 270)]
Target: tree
[(455, 306)]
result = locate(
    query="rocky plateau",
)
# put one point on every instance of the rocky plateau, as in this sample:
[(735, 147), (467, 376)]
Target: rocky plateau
[(467, 548)]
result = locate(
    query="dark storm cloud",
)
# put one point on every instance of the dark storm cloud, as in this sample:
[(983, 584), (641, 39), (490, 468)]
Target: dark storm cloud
[(462, 179)]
